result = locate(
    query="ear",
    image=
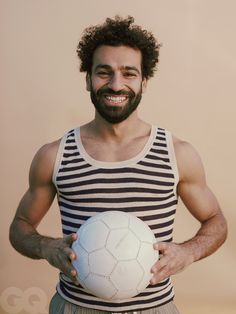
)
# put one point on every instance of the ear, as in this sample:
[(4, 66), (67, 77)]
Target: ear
[(144, 85), (88, 82)]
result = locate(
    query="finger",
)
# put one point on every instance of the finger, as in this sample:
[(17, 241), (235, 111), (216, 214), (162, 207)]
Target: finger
[(70, 253), (74, 276), (69, 271), (70, 238), (73, 273), (160, 276), (72, 256), (160, 271), (161, 246), (158, 266)]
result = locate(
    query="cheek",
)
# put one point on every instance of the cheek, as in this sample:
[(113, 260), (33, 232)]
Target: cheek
[(97, 84), (138, 88)]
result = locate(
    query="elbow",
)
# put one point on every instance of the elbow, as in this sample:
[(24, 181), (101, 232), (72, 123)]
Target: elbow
[(224, 226), (221, 228), (12, 235), (15, 234)]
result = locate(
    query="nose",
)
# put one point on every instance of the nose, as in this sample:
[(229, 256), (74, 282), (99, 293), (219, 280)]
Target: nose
[(116, 82)]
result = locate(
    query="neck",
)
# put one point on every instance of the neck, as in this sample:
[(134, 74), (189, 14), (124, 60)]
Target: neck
[(118, 132)]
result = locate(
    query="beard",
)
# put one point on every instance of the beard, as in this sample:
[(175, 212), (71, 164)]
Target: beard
[(115, 114)]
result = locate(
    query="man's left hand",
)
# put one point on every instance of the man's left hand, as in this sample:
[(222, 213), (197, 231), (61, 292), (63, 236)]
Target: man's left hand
[(173, 259)]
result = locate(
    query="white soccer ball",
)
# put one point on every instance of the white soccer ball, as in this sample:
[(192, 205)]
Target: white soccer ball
[(114, 255)]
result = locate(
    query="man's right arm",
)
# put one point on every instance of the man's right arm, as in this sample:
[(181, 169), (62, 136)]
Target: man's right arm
[(32, 208)]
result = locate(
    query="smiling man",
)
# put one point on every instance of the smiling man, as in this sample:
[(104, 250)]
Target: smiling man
[(116, 84), (117, 161)]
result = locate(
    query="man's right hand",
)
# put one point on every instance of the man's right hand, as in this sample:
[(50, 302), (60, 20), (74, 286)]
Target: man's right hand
[(59, 254)]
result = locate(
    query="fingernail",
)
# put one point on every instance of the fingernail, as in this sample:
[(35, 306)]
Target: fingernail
[(74, 236), (73, 272), (72, 256)]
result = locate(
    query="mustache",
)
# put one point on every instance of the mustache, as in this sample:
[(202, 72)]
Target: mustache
[(110, 91)]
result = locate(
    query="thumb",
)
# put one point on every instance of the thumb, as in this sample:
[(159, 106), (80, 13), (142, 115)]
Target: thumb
[(161, 246), (69, 239)]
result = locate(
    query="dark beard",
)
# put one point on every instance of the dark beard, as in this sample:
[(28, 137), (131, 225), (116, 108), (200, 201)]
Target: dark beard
[(114, 114)]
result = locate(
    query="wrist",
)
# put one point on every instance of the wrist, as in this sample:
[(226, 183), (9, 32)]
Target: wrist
[(190, 252), (45, 246)]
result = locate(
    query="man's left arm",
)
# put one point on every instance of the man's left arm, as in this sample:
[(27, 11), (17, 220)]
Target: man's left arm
[(203, 205)]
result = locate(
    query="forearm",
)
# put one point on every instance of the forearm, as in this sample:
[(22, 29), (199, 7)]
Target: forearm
[(208, 239), (26, 240), (57, 251)]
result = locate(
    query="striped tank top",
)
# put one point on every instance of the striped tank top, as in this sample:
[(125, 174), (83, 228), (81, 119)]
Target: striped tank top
[(144, 186)]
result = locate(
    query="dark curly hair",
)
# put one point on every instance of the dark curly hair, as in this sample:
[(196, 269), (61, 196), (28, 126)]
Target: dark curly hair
[(117, 32)]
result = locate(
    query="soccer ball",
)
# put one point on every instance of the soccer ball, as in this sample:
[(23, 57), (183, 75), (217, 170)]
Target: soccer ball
[(114, 255)]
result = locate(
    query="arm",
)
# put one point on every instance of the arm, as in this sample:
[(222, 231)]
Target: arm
[(202, 204), (32, 208)]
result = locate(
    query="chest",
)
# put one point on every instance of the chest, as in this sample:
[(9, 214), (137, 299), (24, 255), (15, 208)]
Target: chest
[(113, 152)]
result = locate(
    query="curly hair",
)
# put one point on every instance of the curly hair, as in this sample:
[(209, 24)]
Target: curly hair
[(117, 32)]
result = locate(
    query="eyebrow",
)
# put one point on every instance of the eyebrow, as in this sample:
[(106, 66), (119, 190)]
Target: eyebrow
[(108, 67)]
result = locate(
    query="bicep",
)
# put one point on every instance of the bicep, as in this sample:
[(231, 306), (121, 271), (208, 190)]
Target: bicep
[(41, 192), (192, 187), (199, 200), (35, 204)]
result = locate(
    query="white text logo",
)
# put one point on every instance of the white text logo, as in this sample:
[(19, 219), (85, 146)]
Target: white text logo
[(32, 300)]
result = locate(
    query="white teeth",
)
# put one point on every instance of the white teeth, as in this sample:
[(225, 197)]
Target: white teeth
[(116, 99)]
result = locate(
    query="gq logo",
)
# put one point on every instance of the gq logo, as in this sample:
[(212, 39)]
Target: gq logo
[(33, 300)]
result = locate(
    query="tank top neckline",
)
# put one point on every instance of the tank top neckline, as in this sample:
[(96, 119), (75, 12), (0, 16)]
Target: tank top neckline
[(114, 164)]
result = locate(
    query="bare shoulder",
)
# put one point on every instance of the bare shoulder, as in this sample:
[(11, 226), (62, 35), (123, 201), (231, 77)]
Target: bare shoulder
[(42, 165), (48, 151), (188, 160), (183, 147)]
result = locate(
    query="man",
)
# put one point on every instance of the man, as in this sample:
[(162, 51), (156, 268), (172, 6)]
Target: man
[(117, 161)]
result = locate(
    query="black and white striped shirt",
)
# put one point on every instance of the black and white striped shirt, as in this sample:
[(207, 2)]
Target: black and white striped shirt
[(144, 186)]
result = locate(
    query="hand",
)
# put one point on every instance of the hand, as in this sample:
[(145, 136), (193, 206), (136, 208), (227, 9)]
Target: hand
[(174, 258), (59, 254)]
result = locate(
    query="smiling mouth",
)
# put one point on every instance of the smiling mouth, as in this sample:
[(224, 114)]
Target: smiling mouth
[(116, 99)]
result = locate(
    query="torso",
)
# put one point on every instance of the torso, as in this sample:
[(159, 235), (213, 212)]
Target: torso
[(143, 185)]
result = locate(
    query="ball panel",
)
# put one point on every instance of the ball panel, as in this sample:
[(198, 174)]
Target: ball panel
[(100, 286), (115, 219), (101, 262), (123, 244), (147, 258), (81, 263), (125, 294), (93, 236), (127, 274), (141, 230)]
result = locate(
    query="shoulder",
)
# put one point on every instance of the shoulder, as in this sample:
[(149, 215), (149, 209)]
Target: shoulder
[(188, 160), (47, 152), (43, 162), (183, 147)]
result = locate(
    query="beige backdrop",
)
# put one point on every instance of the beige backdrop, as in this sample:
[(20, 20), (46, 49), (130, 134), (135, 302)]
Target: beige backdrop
[(43, 95)]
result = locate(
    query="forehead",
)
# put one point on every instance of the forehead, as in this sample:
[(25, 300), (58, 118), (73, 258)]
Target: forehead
[(121, 56)]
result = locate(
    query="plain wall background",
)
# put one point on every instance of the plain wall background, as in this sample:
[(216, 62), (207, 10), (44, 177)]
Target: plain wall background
[(43, 95)]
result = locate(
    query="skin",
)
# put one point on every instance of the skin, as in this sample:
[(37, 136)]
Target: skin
[(116, 142)]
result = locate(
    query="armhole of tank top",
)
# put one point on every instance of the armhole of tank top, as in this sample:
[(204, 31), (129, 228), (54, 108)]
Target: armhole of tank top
[(172, 157), (58, 159)]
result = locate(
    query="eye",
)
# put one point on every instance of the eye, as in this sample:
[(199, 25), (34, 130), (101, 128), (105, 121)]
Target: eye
[(103, 73), (129, 74)]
